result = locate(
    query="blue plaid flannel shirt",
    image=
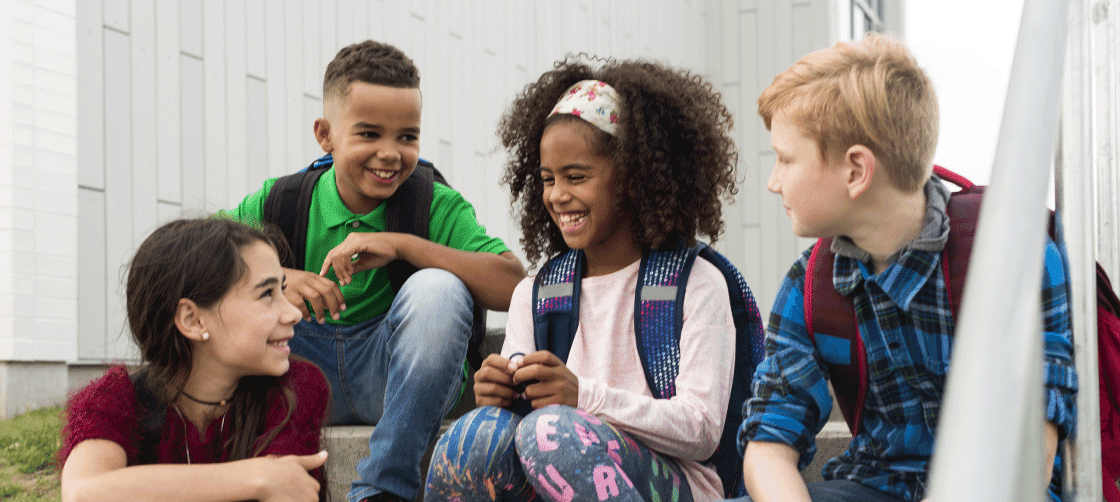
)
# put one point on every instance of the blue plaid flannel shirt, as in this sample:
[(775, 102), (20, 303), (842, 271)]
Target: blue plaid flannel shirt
[(906, 324)]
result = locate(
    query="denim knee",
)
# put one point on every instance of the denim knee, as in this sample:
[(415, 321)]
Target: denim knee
[(434, 291)]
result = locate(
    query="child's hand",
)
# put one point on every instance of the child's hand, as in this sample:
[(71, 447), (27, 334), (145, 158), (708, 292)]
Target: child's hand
[(305, 288), (286, 478), (359, 252), (493, 382), (555, 383)]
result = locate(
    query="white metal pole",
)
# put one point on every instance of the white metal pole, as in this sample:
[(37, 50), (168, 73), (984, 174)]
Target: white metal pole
[(989, 439), (1086, 116)]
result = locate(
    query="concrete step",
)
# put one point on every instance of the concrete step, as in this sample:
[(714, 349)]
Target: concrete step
[(831, 442)]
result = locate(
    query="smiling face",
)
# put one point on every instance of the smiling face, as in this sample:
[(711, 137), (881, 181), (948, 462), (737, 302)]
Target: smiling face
[(580, 193), (814, 192), (373, 132), (251, 325)]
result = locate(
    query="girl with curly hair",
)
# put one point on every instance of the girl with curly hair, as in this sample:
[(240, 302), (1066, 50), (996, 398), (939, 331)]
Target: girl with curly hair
[(217, 411), (611, 161)]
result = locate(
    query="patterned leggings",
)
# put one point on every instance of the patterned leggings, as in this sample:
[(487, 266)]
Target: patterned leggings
[(556, 453)]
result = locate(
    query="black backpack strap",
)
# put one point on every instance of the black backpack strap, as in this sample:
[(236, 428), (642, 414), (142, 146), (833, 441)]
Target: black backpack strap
[(409, 211), (556, 303), (288, 204), (150, 410)]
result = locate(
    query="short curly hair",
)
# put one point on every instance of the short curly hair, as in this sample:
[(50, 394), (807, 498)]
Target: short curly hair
[(370, 62), (673, 153)]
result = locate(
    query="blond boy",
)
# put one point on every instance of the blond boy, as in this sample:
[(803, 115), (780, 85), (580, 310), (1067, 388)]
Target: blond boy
[(854, 129)]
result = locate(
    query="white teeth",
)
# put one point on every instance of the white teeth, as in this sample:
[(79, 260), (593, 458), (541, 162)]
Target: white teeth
[(281, 343), (572, 218), (384, 174)]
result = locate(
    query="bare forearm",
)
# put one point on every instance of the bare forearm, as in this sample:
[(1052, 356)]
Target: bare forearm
[(1050, 436), (490, 277), (165, 483), (770, 473)]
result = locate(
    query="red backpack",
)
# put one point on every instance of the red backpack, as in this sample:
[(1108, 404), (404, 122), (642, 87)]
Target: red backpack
[(826, 311)]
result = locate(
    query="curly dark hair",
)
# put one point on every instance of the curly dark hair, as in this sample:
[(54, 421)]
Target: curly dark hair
[(673, 153), (370, 62)]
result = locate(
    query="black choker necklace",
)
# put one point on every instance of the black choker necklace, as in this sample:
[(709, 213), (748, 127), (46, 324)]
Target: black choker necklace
[(199, 401)]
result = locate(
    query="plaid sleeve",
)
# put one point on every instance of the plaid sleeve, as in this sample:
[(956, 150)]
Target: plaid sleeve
[(1058, 368), (791, 401)]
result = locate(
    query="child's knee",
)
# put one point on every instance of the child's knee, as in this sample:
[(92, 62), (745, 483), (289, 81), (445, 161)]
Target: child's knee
[(477, 436), (436, 284), (559, 428)]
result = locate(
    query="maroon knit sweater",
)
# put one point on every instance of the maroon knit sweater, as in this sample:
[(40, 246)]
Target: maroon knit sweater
[(106, 409)]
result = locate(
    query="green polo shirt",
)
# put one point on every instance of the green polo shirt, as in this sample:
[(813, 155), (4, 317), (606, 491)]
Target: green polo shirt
[(453, 224)]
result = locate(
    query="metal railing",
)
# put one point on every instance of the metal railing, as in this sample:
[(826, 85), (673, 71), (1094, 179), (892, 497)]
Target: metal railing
[(990, 435)]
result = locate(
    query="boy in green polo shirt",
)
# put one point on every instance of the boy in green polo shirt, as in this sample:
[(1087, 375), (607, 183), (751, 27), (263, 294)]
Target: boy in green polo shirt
[(392, 360)]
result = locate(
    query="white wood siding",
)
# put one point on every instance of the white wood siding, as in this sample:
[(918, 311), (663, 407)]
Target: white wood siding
[(751, 41), (186, 106)]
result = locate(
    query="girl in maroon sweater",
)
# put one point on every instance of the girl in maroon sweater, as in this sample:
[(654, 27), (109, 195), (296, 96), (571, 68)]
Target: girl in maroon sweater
[(217, 411)]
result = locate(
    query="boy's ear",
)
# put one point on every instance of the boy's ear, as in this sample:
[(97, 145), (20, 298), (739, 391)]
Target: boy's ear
[(188, 318), (860, 168), (323, 134)]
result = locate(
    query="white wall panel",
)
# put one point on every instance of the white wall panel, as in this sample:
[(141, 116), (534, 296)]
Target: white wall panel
[(119, 210), (92, 277), (276, 152), (190, 27), (255, 48), (256, 142), (193, 146), (236, 121), (169, 161), (142, 42), (296, 130), (216, 131), (90, 96), (116, 14), (312, 81)]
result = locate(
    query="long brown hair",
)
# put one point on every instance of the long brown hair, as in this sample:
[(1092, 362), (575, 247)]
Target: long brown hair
[(197, 259)]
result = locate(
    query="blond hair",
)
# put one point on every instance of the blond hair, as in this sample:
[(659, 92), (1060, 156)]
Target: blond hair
[(870, 93)]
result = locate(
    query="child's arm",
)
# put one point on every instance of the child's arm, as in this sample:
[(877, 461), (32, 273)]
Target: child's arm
[(490, 277), (770, 473), (96, 470)]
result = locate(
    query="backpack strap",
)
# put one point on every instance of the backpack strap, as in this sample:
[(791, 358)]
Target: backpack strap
[(556, 303), (964, 214), (659, 315), (409, 211), (750, 348), (150, 410), (830, 318), (287, 206)]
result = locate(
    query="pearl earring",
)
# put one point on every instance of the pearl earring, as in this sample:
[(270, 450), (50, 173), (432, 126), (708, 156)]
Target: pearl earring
[(205, 335)]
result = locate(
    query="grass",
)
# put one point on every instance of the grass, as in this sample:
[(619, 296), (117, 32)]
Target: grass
[(28, 444)]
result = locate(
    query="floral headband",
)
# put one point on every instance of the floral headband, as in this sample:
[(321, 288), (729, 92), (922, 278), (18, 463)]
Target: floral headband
[(593, 101)]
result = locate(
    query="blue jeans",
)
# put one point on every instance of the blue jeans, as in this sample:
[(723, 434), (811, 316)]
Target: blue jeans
[(400, 371), (841, 490), (555, 454)]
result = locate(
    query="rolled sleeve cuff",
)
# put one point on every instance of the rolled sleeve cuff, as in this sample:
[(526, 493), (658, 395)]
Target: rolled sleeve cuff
[(1061, 389), (777, 428)]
